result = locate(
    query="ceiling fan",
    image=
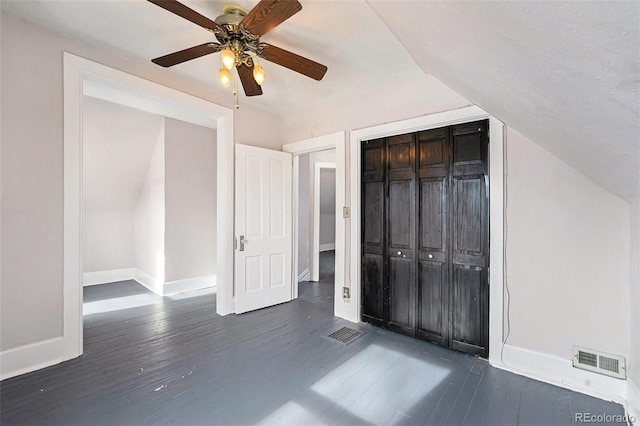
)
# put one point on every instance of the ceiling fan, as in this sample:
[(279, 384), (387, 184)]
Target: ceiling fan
[(238, 34)]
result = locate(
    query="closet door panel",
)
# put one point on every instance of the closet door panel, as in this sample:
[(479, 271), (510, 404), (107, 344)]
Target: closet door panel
[(470, 239), (433, 277), (401, 233), (373, 231)]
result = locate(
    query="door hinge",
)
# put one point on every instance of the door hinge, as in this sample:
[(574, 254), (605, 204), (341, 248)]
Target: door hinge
[(235, 243), (346, 212)]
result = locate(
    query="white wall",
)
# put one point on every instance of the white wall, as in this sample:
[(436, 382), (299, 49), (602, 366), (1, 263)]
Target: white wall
[(150, 222), (118, 143), (567, 256), (411, 98), (634, 282), (190, 170), (32, 182), (327, 207)]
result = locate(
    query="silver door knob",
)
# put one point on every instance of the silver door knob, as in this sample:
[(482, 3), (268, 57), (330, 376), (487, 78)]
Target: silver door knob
[(430, 256), (399, 252)]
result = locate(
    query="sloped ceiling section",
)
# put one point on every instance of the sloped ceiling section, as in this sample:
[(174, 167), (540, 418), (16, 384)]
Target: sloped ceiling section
[(564, 74), (118, 144)]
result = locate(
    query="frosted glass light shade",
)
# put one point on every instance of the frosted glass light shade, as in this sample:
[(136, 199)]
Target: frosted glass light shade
[(258, 74), (225, 77), (228, 58)]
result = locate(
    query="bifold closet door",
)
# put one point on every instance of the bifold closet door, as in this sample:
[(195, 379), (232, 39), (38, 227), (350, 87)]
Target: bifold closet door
[(425, 235), (401, 233), (433, 236), (470, 239), (373, 165)]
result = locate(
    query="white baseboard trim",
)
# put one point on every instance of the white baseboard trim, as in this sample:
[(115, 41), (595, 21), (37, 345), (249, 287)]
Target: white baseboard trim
[(560, 372), (189, 284), (633, 401), (34, 356), (104, 277), (327, 247), (148, 281), (305, 275)]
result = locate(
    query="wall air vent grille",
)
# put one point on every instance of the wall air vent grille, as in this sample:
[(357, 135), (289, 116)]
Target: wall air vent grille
[(587, 359), (599, 362)]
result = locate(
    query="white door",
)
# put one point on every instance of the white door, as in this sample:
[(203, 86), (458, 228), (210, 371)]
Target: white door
[(263, 228)]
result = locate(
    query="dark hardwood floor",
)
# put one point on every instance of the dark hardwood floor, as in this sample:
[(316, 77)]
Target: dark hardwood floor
[(152, 360)]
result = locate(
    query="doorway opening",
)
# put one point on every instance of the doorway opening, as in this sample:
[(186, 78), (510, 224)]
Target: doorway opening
[(83, 77), (329, 152), (140, 172), (317, 217)]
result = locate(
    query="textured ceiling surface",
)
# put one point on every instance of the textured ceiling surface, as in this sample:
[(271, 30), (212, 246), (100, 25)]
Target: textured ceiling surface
[(564, 74)]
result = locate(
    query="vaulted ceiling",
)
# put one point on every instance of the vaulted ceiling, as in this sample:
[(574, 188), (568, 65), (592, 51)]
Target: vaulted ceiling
[(565, 74)]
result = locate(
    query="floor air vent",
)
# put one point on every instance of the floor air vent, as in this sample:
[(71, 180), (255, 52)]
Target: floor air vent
[(599, 362), (345, 334)]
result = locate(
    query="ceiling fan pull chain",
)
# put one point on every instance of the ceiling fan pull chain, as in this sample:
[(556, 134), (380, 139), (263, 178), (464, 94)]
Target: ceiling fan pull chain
[(235, 89)]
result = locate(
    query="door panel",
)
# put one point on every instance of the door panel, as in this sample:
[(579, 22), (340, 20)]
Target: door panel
[(433, 278), (373, 211), (470, 309), (401, 216), (401, 300), (373, 231), (401, 234), (432, 215), (263, 219), (470, 251), (372, 292), (469, 201), (432, 301)]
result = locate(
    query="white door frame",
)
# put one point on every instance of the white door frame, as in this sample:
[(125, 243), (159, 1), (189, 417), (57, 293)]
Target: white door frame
[(321, 143), (496, 206), (315, 245), (81, 75)]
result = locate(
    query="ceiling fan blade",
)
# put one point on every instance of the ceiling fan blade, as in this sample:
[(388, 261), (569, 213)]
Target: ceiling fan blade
[(292, 61), (187, 54), (183, 11), (268, 14), (251, 88)]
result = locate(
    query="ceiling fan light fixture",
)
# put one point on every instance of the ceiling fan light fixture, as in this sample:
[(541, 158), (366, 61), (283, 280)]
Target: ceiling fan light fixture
[(228, 58), (225, 77), (259, 74)]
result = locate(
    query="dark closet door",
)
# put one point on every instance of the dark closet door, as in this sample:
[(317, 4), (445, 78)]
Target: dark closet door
[(401, 232), (373, 164), (425, 235), (433, 246), (470, 239)]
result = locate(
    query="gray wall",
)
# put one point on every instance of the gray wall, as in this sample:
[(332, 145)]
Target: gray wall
[(305, 203), (327, 207)]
